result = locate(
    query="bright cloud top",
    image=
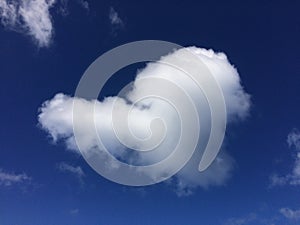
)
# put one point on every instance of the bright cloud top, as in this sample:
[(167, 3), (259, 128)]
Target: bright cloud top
[(56, 118)]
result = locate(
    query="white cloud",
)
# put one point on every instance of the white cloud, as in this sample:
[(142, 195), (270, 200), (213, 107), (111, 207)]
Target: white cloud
[(277, 180), (115, 20), (31, 17), (114, 17), (74, 211), (8, 12), (56, 117), (292, 178), (64, 6), (242, 220), (84, 4), (293, 139), (9, 178), (290, 214), (75, 170)]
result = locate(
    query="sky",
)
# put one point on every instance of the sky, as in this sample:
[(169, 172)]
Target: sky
[(45, 48)]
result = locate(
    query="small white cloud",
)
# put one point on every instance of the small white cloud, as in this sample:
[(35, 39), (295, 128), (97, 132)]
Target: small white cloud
[(115, 20), (292, 178), (277, 180), (114, 17), (31, 17), (9, 178), (74, 211), (290, 214), (293, 139), (75, 170), (250, 218), (84, 4), (64, 6)]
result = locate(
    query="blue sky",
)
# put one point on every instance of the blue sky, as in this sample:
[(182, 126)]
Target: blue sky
[(41, 182)]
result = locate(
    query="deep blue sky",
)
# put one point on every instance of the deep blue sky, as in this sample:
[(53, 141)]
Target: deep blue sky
[(261, 38)]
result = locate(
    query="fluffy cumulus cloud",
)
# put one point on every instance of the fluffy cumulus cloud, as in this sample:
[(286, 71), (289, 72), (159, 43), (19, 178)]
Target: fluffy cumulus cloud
[(9, 178), (292, 178), (55, 117)]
